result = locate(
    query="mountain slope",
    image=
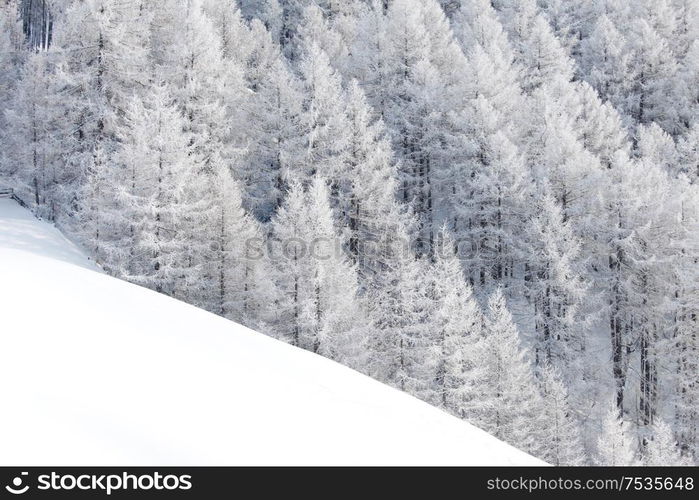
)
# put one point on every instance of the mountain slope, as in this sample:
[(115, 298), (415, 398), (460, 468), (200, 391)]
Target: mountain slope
[(99, 371)]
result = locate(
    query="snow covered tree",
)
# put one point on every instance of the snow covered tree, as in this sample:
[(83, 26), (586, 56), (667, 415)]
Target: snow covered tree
[(620, 251), (654, 145), (400, 307), (688, 153), (600, 126), (606, 62), (232, 30), (323, 123), (236, 267), (367, 188), (565, 18), (537, 50), (660, 15), (490, 202), (685, 347), (564, 445), (557, 153), (11, 57), (272, 137), (661, 450), (644, 239), (675, 346), (33, 117), (556, 288), (367, 58), (37, 22), (286, 18), (158, 175), (188, 55), (101, 61), (458, 323), (689, 74), (686, 33), (654, 95), (509, 402), (268, 12), (424, 70), (615, 445), (493, 73), (315, 28), (321, 311)]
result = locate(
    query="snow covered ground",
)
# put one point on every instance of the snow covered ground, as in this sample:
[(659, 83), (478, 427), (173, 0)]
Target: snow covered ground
[(97, 371)]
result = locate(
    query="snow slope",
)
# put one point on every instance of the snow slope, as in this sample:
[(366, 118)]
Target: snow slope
[(97, 371)]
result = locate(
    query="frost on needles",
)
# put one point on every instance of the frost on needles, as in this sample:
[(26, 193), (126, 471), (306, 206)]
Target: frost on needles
[(490, 205)]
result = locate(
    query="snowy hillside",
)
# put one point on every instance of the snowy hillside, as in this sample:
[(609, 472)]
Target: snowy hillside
[(100, 371)]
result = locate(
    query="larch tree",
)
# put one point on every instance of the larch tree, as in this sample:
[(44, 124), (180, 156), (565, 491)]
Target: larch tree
[(689, 74), (556, 288), (322, 312), (323, 122), (615, 445), (399, 307), (315, 27), (565, 18), (367, 56), (661, 237), (11, 58), (653, 68), (268, 12), (605, 62), (509, 402), (458, 325), (661, 449), (684, 346), (424, 68), (273, 146), (563, 446), (368, 186), (686, 33), (187, 53), (33, 148), (540, 54), (688, 153), (102, 59), (238, 266), (490, 203), (158, 174), (600, 127), (493, 73), (38, 19)]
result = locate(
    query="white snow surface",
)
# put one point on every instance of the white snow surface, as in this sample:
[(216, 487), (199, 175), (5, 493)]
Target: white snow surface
[(97, 371)]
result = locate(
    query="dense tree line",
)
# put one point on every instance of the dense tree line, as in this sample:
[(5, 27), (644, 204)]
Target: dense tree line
[(490, 205)]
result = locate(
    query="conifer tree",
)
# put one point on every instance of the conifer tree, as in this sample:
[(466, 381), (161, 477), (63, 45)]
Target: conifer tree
[(367, 188), (458, 323), (322, 313), (273, 146), (323, 123), (615, 445), (157, 175), (563, 445), (556, 289), (661, 449), (509, 404), (30, 140)]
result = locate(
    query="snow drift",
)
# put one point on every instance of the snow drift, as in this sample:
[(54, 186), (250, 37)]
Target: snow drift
[(97, 371)]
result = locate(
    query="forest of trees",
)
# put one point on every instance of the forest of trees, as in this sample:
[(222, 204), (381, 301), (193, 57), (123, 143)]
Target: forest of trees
[(492, 205)]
